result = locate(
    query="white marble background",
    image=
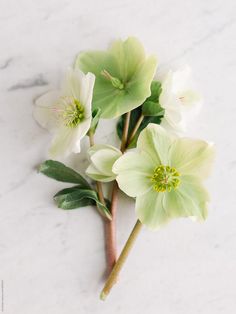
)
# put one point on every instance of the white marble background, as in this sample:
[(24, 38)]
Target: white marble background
[(52, 261)]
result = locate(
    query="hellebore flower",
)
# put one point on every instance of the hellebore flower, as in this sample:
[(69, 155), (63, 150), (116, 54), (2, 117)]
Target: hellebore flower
[(102, 158), (123, 76), (67, 112), (178, 99), (165, 175)]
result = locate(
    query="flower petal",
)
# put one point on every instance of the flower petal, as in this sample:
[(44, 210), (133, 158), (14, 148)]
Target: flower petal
[(129, 54), (156, 142), (173, 120), (167, 98), (44, 112), (189, 200), (150, 210), (181, 79), (133, 173), (86, 93), (67, 140), (104, 159), (96, 175), (80, 86), (192, 157), (95, 148)]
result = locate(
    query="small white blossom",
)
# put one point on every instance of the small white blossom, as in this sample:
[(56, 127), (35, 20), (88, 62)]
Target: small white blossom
[(180, 101), (67, 112)]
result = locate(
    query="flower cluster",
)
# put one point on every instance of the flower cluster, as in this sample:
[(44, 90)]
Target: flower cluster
[(161, 170)]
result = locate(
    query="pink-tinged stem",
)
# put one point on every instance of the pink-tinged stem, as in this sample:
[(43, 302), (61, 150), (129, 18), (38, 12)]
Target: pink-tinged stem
[(111, 225)]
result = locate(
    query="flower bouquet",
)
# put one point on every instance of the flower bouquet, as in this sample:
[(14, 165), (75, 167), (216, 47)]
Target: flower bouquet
[(161, 170)]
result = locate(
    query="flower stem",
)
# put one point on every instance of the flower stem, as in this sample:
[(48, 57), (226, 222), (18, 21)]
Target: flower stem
[(110, 234), (91, 138), (111, 225), (125, 132), (135, 129), (121, 260)]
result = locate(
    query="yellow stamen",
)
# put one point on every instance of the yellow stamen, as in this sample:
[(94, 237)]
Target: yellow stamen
[(165, 178)]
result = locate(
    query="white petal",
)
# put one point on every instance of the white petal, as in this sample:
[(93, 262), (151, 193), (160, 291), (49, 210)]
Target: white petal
[(188, 200), (44, 110), (92, 150), (189, 98), (192, 157), (134, 173), (80, 86), (173, 120), (155, 141), (72, 84), (96, 175), (150, 210), (87, 95), (67, 140), (181, 79), (167, 98), (104, 159)]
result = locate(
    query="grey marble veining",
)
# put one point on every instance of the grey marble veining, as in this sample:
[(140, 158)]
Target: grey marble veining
[(29, 83), (52, 261)]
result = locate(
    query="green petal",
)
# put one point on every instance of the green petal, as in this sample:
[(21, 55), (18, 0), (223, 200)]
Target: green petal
[(95, 148), (150, 210), (156, 142), (133, 173), (189, 200), (96, 61), (102, 160), (129, 54), (96, 175), (126, 61), (192, 157)]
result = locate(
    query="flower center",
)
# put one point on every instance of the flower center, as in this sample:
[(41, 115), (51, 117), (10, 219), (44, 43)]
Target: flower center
[(72, 113), (165, 178), (114, 80)]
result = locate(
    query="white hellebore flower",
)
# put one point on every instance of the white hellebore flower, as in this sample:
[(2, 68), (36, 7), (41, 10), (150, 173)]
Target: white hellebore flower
[(67, 112), (166, 176), (180, 101), (102, 158)]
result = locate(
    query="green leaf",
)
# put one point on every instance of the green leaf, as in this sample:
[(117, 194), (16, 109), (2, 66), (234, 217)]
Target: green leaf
[(72, 198), (58, 171), (96, 114), (76, 197), (151, 108), (104, 211), (155, 91)]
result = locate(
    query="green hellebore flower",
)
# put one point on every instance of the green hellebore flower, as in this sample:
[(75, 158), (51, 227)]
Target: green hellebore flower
[(102, 158), (123, 76), (165, 176)]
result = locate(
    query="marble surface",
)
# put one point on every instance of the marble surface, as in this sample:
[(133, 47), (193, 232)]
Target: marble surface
[(52, 261)]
